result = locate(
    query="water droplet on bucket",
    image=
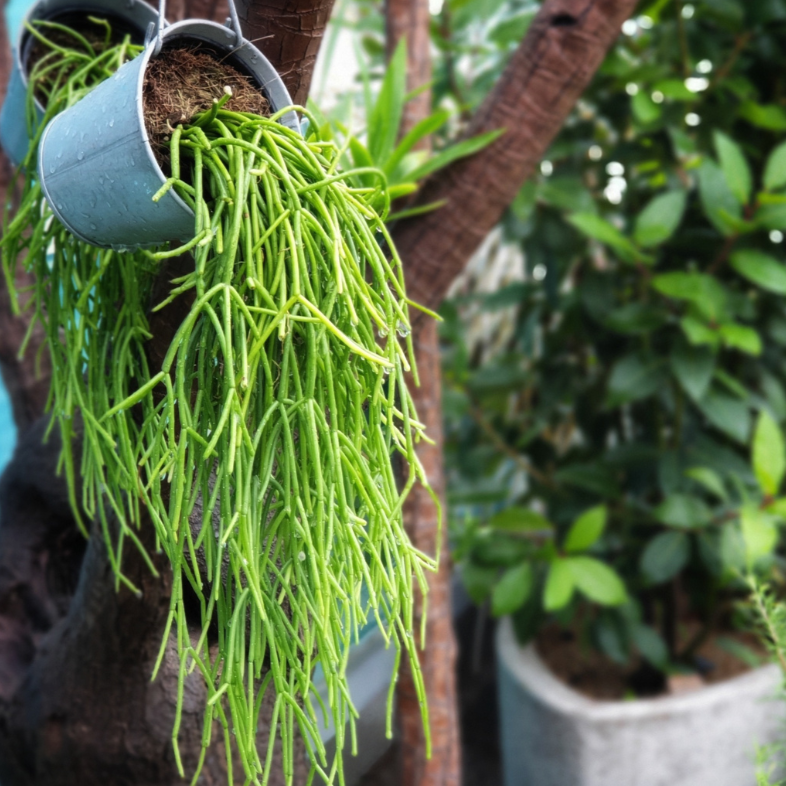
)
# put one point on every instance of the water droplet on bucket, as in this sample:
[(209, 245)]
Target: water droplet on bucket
[(93, 227), (80, 155), (52, 169), (111, 122)]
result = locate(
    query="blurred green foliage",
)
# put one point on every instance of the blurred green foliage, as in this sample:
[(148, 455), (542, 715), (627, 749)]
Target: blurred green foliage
[(618, 457)]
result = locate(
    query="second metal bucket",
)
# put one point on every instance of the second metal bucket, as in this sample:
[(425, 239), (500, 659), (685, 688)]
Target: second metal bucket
[(132, 16), (97, 168)]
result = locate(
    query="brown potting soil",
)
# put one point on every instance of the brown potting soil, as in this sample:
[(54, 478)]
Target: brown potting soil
[(183, 82), (593, 674)]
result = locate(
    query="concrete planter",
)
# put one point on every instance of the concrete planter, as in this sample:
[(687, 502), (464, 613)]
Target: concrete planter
[(553, 736)]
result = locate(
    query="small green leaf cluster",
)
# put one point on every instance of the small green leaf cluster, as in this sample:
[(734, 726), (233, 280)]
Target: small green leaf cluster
[(399, 155), (637, 363)]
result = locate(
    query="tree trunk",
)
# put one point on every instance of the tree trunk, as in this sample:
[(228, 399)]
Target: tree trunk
[(410, 19), (545, 77)]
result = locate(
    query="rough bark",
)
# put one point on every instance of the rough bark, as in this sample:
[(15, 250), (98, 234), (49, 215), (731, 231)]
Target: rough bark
[(438, 660), (410, 19), (289, 33), (545, 77)]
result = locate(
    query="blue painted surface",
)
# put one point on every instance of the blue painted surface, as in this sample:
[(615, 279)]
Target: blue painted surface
[(7, 428), (14, 13)]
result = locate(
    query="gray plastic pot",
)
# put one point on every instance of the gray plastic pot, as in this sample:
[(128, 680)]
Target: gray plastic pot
[(97, 168), (132, 16)]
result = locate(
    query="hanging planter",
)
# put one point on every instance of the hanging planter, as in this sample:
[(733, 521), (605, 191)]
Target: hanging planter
[(261, 448), (132, 17), (98, 169)]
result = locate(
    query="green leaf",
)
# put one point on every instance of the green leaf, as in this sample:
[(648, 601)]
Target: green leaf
[(717, 199), (651, 646), (567, 193), (559, 586), (759, 533), (772, 216), (645, 109), (519, 519), (631, 379), (769, 116), (609, 634), (599, 229), (512, 29), (463, 149), (693, 368), (586, 530), (385, 118), (732, 548), (512, 590), (727, 12), (421, 130), (660, 219), (595, 478), (740, 337), (635, 318), (737, 649), (778, 508), (728, 414), (597, 581), (675, 89), (775, 171), (710, 480), (705, 292), (665, 556), (769, 455), (761, 269), (683, 511), (735, 167), (478, 581), (699, 334)]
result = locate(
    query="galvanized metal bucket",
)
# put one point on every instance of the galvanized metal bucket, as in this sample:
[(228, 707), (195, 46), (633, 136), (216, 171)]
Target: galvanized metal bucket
[(132, 16), (97, 168)]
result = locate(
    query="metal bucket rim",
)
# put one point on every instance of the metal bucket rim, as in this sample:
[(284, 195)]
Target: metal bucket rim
[(87, 6), (179, 30), (249, 56)]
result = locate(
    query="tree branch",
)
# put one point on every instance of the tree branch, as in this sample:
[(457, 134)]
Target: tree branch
[(410, 19), (550, 70)]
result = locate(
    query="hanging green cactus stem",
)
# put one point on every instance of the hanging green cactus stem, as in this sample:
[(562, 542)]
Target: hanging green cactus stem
[(261, 451)]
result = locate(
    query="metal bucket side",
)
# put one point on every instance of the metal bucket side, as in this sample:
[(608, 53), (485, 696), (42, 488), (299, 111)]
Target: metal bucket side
[(246, 56), (98, 171), (97, 168), (14, 134)]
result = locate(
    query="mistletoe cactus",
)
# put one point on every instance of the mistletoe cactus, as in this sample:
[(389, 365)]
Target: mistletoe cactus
[(260, 449)]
